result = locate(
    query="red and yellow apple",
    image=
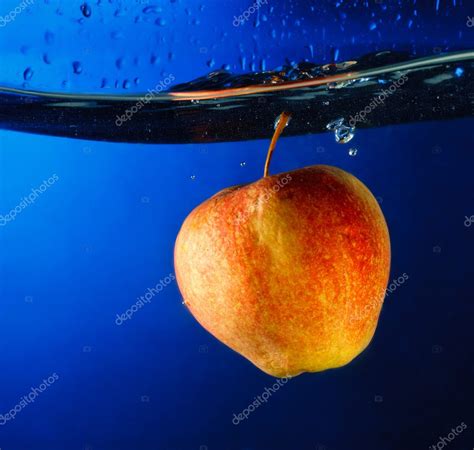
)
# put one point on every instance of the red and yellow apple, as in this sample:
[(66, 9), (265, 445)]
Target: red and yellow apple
[(287, 271)]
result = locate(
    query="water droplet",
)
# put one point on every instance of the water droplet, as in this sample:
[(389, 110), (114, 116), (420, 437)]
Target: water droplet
[(86, 10), (335, 124), (352, 151), (342, 132), (277, 121), (119, 63), (152, 9), (160, 22), (193, 177), (46, 58), (28, 74), (77, 67), (243, 164), (340, 84), (126, 84)]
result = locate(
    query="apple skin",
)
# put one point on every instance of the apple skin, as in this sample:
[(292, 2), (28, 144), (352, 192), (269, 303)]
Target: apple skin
[(289, 271)]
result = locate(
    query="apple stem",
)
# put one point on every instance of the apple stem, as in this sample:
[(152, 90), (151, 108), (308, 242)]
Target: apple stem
[(283, 121)]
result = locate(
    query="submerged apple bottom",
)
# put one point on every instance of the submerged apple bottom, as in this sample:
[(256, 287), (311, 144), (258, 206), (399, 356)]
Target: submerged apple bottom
[(289, 271)]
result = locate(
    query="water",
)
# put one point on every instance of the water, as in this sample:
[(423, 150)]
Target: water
[(97, 207), (375, 90)]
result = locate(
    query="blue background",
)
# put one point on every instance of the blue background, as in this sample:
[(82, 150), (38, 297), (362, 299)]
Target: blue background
[(104, 233)]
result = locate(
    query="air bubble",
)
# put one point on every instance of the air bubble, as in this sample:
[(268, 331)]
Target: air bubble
[(342, 133), (334, 124)]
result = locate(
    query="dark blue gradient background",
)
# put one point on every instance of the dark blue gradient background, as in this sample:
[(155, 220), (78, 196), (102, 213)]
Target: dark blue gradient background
[(104, 233)]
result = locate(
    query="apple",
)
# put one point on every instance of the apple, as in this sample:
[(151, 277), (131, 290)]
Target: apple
[(289, 271)]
